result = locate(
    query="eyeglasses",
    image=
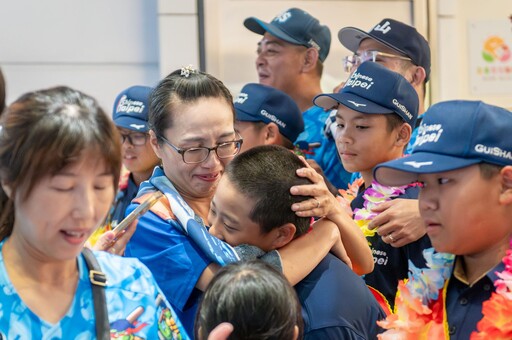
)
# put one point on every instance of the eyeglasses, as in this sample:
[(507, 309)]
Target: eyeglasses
[(200, 154), (355, 60), (135, 139)]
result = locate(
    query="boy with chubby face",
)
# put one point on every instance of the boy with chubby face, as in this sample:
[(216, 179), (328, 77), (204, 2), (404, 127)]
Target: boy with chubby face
[(252, 206), (376, 110), (463, 160)]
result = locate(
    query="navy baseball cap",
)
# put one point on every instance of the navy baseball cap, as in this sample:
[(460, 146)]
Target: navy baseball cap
[(131, 108), (261, 103), (453, 135), (400, 37), (374, 89), (297, 27)]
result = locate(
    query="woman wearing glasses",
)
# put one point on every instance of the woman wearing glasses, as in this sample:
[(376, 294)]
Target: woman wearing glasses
[(192, 132)]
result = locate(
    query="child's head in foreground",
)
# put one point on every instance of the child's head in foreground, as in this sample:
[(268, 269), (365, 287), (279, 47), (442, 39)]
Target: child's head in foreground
[(252, 204), (256, 299), (463, 159)]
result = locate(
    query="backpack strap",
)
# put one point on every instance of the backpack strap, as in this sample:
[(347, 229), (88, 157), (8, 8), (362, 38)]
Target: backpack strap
[(98, 282)]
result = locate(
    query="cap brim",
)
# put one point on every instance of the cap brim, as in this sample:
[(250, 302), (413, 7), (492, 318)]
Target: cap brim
[(259, 27), (243, 116), (351, 37), (350, 100), (131, 123), (405, 170)]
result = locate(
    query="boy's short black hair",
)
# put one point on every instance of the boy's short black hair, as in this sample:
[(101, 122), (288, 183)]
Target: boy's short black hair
[(265, 175)]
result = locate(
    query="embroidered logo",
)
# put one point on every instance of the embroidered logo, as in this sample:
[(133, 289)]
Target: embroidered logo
[(355, 104), (283, 17), (242, 97), (137, 126), (417, 165), (385, 28)]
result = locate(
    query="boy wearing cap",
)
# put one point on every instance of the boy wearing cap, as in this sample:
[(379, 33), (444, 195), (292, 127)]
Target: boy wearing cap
[(336, 303), (463, 159), (290, 58), (265, 115), (400, 48), (130, 115), (376, 110)]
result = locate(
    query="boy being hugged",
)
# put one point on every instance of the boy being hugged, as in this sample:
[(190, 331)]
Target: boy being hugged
[(463, 159), (376, 110)]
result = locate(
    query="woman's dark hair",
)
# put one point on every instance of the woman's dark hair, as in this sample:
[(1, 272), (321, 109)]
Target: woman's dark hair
[(256, 299), (265, 175), (178, 88), (43, 132)]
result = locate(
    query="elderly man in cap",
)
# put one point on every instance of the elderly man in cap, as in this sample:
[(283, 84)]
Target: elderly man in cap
[(291, 53)]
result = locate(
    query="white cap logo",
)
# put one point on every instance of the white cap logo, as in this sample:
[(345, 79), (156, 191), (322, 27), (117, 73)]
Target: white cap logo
[(283, 17), (242, 97), (385, 28)]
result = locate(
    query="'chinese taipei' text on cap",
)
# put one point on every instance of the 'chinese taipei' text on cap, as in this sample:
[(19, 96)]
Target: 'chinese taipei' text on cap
[(453, 135), (374, 89), (131, 108)]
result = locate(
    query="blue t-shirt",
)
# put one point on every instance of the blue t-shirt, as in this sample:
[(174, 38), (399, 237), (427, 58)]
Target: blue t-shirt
[(136, 307), (392, 264), (322, 149), (336, 304), (174, 259), (464, 302)]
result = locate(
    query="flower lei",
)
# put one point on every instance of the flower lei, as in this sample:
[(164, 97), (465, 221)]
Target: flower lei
[(497, 311), (419, 307), (373, 196)]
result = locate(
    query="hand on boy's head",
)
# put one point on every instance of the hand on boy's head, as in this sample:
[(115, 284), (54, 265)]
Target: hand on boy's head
[(108, 241), (221, 332), (323, 202), (312, 163), (398, 222)]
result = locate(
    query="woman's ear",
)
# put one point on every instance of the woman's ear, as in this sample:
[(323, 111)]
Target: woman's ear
[(506, 185), (153, 140), (283, 235)]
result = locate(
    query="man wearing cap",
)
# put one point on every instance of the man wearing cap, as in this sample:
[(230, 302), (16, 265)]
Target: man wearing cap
[(130, 115), (397, 46), (290, 58), (265, 115), (376, 110)]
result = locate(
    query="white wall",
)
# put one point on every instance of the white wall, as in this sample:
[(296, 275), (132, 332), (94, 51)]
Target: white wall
[(99, 47), (450, 41), (102, 47)]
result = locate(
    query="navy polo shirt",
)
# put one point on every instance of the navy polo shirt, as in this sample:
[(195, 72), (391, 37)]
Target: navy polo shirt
[(336, 304), (392, 264), (464, 301)]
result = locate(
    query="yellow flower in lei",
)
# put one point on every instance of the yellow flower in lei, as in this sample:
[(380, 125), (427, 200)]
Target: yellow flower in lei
[(373, 196)]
